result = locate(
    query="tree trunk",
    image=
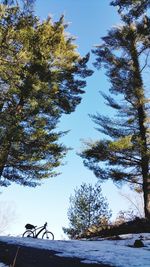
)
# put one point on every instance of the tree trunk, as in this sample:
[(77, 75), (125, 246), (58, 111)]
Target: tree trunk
[(139, 94), (3, 157), (146, 193), (8, 139)]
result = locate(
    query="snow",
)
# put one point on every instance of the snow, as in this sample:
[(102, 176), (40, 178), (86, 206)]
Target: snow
[(119, 253)]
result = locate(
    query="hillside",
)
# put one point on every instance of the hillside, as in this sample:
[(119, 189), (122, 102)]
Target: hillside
[(119, 253)]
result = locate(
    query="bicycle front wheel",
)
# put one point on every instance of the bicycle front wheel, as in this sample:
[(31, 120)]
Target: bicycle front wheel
[(48, 235), (28, 233)]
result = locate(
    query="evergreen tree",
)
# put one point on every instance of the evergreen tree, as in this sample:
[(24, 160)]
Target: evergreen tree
[(26, 5), (87, 207), (125, 154), (41, 78), (132, 8)]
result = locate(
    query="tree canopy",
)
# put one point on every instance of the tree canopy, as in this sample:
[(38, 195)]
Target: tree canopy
[(132, 8), (41, 77)]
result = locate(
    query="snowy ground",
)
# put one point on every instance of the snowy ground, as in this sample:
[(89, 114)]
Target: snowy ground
[(117, 253)]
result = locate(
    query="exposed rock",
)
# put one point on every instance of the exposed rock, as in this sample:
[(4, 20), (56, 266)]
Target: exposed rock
[(138, 243)]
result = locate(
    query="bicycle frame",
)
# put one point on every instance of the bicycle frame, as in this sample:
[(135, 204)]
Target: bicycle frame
[(36, 234)]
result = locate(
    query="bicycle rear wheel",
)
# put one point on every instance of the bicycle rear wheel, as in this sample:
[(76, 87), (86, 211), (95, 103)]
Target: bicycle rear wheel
[(48, 235), (28, 233)]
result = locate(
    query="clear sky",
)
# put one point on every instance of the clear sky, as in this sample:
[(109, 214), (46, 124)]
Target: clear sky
[(88, 20)]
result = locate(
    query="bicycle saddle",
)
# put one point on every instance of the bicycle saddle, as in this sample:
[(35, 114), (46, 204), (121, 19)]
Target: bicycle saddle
[(29, 226)]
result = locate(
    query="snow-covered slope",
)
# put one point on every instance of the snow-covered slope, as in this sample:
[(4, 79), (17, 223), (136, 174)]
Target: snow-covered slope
[(119, 253), (3, 265)]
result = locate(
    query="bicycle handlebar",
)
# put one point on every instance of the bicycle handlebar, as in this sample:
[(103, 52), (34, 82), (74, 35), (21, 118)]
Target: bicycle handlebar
[(45, 224)]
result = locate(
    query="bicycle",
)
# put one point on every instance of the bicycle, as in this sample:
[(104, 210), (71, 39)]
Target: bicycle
[(31, 231)]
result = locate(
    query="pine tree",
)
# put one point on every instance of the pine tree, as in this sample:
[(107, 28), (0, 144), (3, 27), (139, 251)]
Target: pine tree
[(41, 79), (125, 155), (132, 8), (87, 207), (27, 6)]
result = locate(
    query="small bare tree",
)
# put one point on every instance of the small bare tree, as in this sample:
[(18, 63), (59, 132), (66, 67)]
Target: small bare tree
[(7, 215), (136, 202)]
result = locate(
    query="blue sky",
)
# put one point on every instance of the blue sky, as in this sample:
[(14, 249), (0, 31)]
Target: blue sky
[(88, 20)]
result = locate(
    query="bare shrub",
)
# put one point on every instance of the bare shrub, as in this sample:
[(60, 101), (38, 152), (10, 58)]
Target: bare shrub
[(7, 215)]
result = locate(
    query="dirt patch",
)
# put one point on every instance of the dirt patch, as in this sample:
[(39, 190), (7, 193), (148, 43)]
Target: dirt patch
[(33, 257)]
